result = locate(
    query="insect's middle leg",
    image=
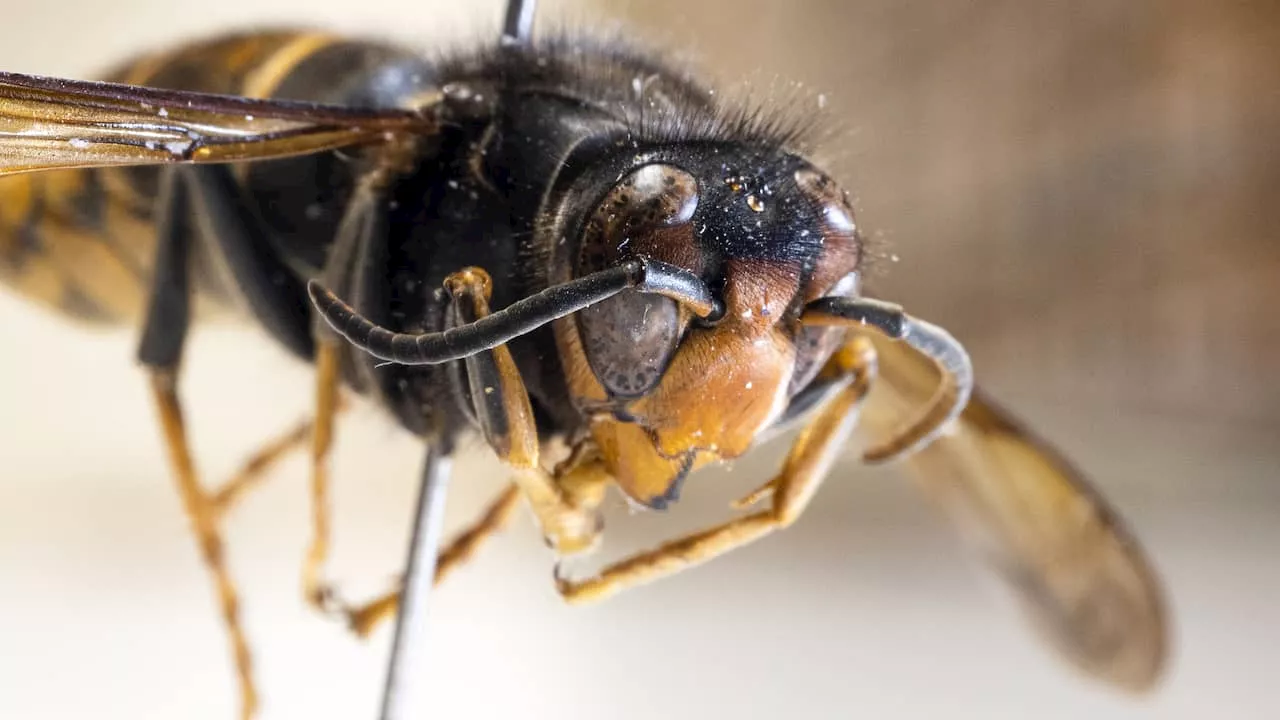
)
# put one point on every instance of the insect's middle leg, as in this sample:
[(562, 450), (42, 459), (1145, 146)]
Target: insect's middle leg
[(363, 618), (255, 469), (231, 231), (203, 512), (315, 588), (790, 491)]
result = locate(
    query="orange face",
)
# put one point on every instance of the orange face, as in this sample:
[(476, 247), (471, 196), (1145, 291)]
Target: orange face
[(665, 392)]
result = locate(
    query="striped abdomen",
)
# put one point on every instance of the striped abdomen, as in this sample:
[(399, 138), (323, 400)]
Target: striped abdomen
[(81, 241)]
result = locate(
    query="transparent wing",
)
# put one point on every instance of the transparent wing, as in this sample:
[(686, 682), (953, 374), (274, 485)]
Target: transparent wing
[(1064, 553), (49, 123)]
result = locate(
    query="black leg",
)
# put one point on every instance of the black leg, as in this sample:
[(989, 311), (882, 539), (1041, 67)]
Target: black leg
[(164, 331), (160, 349)]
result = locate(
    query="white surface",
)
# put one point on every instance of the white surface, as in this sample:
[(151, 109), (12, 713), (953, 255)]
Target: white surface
[(864, 609)]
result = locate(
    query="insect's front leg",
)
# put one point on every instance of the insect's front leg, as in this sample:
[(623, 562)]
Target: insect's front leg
[(569, 519), (565, 501), (790, 490)]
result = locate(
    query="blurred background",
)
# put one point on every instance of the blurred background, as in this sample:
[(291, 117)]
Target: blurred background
[(1084, 193)]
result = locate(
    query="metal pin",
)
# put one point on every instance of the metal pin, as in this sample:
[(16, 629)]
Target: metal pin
[(406, 693), (518, 27)]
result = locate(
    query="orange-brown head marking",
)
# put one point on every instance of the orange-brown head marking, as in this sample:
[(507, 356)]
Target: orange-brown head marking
[(665, 392)]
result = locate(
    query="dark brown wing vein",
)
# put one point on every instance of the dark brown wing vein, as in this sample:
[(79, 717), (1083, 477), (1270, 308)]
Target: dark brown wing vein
[(48, 123)]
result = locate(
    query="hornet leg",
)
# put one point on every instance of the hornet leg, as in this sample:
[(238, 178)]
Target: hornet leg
[(361, 230), (564, 502), (790, 490), (365, 619), (569, 520), (230, 230)]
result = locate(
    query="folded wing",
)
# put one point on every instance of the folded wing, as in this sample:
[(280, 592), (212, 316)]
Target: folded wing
[(1036, 522), (48, 123)]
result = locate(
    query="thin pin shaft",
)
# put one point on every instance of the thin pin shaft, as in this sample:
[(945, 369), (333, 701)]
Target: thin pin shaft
[(517, 29), (406, 693)]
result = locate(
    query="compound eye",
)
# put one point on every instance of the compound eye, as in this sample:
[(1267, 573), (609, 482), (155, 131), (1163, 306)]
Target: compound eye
[(630, 338)]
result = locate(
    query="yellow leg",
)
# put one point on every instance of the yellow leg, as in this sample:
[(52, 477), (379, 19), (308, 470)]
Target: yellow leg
[(363, 620), (565, 504), (202, 510), (254, 471), (582, 479), (791, 490), (314, 588), (570, 523)]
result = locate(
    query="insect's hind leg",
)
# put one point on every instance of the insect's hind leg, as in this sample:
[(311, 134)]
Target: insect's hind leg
[(790, 491), (230, 229), (202, 510), (160, 351)]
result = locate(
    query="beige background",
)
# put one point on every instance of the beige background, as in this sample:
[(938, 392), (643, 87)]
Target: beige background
[(1083, 192)]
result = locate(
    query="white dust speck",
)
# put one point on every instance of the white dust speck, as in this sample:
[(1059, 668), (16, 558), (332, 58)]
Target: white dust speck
[(748, 385), (822, 102), (79, 143), (177, 147), (162, 112), (248, 118)]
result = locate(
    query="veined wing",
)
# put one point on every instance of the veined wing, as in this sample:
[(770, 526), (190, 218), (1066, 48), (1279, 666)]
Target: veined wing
[(49, 123), (1029, 514)]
